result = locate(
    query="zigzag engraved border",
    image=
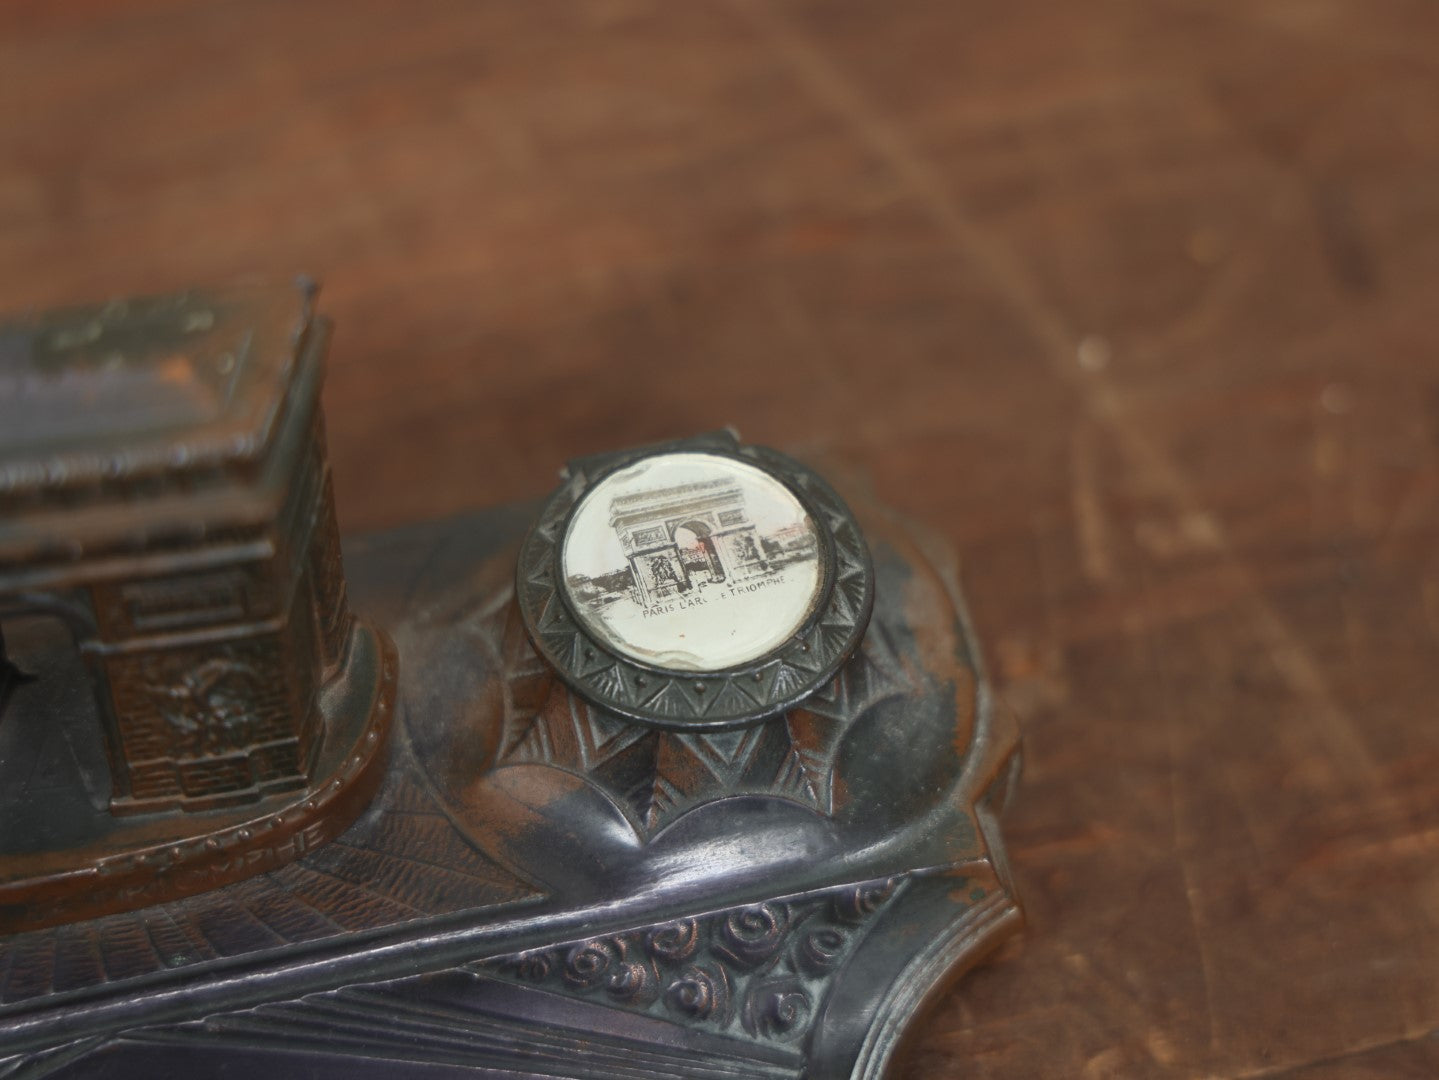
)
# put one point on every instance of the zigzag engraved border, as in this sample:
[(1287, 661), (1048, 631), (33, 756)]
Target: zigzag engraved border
[(686, 700)]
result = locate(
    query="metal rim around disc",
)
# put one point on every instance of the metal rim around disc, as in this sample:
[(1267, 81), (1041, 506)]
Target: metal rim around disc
[(682, 698)]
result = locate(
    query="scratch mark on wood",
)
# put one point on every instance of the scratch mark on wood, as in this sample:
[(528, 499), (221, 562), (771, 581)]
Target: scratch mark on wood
[(1089, 518), (1351, 1053), (1180, 844), (1415, 506), (1229, 284)]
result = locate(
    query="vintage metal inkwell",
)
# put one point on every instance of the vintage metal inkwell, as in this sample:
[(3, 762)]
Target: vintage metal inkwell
[(692, 771)]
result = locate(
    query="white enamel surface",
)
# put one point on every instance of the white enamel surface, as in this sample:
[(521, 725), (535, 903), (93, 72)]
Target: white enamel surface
[(691, 562)]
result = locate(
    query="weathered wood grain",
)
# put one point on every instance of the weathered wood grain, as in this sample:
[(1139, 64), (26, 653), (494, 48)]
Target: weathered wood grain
[(1131, 299)]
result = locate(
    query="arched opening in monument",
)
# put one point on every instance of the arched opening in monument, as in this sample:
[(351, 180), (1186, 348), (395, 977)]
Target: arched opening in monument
[(698, 551), (54, 769)]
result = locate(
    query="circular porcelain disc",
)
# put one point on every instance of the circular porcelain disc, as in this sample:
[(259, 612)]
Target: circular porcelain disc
[(691, 562)]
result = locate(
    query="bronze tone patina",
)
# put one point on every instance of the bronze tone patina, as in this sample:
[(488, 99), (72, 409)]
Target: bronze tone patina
[(166, 518), (585, 858)]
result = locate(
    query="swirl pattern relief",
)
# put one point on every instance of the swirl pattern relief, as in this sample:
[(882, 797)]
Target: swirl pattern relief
[(763, 968)]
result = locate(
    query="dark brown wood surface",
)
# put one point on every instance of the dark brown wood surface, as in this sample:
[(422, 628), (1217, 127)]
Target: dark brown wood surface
[(1133, 300)]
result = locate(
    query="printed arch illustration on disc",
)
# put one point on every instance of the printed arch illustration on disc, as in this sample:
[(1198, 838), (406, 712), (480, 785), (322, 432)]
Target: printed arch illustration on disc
[(691, 562)]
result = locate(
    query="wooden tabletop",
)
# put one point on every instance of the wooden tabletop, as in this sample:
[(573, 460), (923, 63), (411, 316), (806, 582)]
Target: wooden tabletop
[(1133, 300)]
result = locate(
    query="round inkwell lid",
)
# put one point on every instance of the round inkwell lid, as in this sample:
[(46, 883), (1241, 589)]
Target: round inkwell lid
[(697, 584)]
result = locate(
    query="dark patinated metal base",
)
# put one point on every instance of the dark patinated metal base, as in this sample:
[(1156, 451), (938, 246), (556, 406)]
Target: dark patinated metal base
[(542, 888), (131, 861)]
